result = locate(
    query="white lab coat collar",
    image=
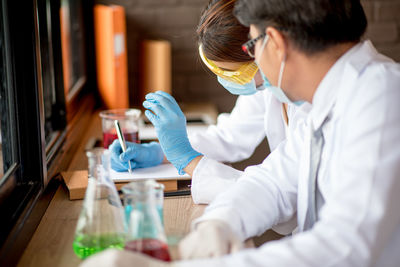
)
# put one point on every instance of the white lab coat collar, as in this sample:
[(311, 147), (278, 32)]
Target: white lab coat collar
[(325, 96)]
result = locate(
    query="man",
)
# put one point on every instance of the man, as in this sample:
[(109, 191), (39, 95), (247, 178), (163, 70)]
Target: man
[(338, 172)]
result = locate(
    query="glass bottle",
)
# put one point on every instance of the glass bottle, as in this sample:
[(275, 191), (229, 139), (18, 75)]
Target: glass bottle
[(101, 221), (145, 232)]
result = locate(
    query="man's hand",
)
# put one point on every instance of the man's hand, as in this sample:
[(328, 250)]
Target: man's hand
[(210, 239), (122, 258)]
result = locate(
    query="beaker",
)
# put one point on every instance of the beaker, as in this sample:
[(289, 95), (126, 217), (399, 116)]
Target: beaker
[(159, 197), (144, 229), (101, 221), (128, 120)]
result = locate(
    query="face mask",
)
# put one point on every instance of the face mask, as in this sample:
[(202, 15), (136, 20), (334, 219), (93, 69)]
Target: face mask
[(241, 76), (276, 90), (278, 93), (238, 89)]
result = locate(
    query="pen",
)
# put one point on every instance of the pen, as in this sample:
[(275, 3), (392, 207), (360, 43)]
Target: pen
[(122, 141)]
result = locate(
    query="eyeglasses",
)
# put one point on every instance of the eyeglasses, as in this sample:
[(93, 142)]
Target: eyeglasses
[(249, 46)]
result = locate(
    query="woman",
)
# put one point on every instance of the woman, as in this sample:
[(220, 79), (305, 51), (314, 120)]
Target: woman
[(256, 114)]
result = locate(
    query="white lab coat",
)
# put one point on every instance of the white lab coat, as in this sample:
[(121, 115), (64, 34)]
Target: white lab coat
[(234, 138), (359, 176)]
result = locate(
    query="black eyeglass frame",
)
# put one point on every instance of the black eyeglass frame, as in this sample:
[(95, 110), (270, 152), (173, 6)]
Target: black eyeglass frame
[(251, 43)]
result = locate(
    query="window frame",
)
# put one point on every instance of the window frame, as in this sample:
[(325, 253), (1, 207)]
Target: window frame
[(51, 63)]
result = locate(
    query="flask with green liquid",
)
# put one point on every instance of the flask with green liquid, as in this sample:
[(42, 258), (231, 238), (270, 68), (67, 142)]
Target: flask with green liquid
[(101, 222)]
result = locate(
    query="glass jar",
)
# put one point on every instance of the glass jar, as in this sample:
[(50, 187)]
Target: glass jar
[(128, 120), (144, 228)]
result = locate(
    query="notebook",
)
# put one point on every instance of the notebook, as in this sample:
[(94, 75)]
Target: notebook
[(164, 171)]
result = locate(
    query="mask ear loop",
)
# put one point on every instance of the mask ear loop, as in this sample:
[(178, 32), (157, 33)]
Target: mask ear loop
[(282, 68), (262, 49)]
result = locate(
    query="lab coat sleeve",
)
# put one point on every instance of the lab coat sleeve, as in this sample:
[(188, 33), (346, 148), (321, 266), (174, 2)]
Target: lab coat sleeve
[(236, 135), (264, 196), (211, 178), (361, 219)]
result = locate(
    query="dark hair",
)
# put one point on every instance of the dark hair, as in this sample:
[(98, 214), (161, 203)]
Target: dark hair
[(312, 25), (221, 34)]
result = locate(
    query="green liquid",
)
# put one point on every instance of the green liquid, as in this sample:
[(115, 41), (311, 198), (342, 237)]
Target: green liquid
[(86, 245)]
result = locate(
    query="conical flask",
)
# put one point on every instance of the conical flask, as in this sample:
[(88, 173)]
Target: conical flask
[(145, 232), (101, 222)]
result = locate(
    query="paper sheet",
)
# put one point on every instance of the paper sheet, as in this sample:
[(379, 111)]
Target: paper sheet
[(161, 172), (149, 133)]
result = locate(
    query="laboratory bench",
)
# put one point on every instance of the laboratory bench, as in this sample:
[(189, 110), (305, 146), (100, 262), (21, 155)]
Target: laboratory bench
[(51, 243)]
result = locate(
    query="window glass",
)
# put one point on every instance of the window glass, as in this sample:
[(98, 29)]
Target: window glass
[(7, 128), (72, 43), (51, 70), (1, 155), (7, 140), (48, 77)]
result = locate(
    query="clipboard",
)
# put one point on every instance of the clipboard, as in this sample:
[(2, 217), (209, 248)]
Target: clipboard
[(77, 181)]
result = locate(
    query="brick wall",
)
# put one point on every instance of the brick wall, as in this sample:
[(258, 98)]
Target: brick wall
[(384, 25), (176, 21)]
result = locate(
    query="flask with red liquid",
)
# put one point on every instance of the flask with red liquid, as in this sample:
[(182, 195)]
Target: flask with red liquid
[(145, 232), (129, 121)]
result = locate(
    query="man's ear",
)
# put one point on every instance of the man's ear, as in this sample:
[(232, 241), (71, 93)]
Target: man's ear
[(278, 42)]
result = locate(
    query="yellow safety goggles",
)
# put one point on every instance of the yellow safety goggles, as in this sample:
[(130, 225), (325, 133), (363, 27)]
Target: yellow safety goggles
[(243, 75)]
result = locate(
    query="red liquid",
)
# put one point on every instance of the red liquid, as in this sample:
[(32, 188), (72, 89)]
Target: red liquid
[(109, 137), (152, 247)]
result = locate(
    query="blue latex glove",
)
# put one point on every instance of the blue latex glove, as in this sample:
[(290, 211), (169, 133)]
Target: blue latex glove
[(140, 155), (170, 125)]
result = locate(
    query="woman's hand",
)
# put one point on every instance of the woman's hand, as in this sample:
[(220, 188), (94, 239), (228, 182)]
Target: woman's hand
[(140, 155), (170, 125)]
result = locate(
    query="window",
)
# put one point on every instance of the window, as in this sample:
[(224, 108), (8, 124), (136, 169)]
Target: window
[(7, 146), (61, 28), (51, 72), (1, 160), (1, 154), (72, 40), (20, 105), (34, 101)]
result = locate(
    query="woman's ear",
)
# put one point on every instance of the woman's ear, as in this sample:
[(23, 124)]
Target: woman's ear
[(278, 42)]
